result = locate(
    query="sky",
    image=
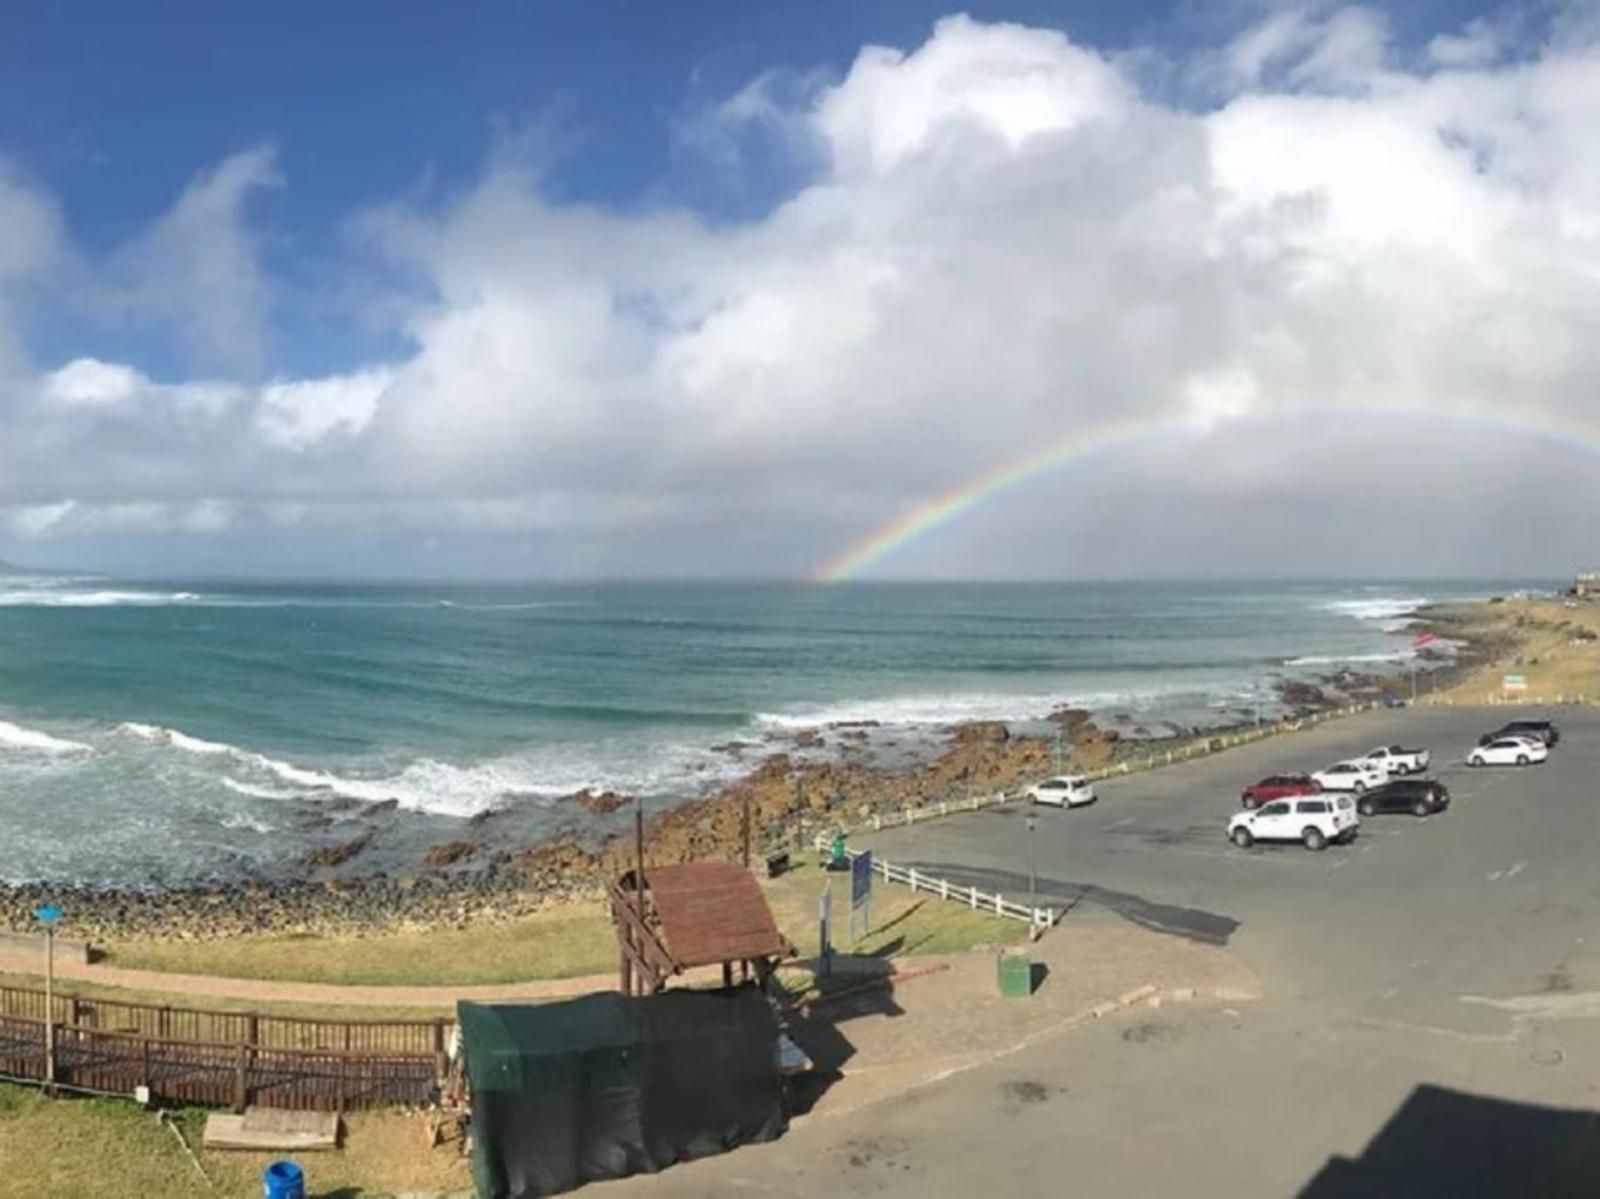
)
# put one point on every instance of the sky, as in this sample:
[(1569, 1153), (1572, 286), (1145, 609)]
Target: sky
[(728, 289)]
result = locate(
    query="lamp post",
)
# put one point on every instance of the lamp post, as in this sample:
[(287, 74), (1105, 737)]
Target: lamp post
[(47, 914), (1033, 874)]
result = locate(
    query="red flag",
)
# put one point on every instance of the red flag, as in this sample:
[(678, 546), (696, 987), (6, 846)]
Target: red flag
[(1422, 639)]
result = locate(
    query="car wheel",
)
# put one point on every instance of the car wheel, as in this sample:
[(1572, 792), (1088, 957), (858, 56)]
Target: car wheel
[(1474, 760), (1242, 838), (1420, 807), (1314, 839), (1402, 768), (1367, 809), (1522, 759), (1359, 787)]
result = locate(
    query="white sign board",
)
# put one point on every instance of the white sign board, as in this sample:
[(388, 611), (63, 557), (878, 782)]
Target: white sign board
[(1515, 682)]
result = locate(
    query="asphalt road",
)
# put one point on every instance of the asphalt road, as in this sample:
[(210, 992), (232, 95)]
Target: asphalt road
[(1413, 922), (1431, 1024)]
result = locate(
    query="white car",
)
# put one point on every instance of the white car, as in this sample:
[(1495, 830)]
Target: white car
[(1391, 759), (1313, 820), (1352, 776), (1509, 751), (1064, 791)]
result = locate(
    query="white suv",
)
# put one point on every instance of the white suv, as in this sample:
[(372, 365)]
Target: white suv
[(1313, 820), (1064, 791)]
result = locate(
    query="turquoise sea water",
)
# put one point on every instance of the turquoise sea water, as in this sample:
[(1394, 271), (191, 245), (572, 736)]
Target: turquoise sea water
[(158, 732)]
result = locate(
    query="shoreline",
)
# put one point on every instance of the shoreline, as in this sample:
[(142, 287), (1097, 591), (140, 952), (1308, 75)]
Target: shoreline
[(789, 793)]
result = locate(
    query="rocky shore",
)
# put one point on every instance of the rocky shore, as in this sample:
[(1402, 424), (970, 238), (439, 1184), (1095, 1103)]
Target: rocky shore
[(485, 873)]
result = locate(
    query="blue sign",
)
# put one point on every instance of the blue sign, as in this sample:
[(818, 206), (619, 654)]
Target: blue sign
[(47, 913), (860, 879)]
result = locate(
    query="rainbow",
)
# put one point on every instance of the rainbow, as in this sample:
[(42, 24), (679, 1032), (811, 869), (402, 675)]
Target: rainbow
[(943, 509)]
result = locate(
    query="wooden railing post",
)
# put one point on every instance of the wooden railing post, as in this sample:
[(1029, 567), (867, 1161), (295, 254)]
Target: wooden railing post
[(238, 1079), (144, 1065)]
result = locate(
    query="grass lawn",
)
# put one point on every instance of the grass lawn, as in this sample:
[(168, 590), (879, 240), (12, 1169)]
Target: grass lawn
[(571, 942), (76, 1148), (1557, 659)]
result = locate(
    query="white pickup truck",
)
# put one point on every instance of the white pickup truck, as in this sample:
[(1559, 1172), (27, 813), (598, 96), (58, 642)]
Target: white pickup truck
[(1394, 760)]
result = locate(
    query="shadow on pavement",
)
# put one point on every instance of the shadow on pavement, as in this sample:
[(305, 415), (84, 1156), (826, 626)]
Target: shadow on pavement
[(860, 991), (1196, 924), (1449, 1143)]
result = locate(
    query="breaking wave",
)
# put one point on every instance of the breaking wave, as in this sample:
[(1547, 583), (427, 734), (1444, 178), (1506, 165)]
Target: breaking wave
[(934, 709), (48, 597), (446, 789), (14, 736), (1381, 608), (1399, 655)]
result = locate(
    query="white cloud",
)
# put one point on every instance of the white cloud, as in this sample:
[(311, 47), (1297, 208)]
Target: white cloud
[(297, 415), (199, 267), (90, 381), (1002, 244)]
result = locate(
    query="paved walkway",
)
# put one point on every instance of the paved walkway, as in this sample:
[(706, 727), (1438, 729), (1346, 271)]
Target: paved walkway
[(200, 986)]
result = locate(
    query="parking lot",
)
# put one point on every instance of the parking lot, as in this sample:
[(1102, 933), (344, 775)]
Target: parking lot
[(1430, 1010), (1419, 921)]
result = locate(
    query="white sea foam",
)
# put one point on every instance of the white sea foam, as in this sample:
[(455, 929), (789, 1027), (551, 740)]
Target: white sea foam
[(14, 736), (943, 709), (50, 597), (1399, 655), (258, 792), (1380, 608), (175, 738), (446, 789)]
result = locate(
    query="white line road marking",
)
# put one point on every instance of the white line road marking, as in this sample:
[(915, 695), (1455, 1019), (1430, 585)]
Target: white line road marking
[(1123, 823), (1516, 870)]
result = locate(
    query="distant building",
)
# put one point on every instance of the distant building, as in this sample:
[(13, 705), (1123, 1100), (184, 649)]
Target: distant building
[(1587, 583)]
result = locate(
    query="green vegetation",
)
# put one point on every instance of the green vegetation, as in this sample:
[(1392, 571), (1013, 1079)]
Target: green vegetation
[(563, 943), (90, 1148)]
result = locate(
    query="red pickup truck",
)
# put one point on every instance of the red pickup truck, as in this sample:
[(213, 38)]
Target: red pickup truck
[(1279, 786)]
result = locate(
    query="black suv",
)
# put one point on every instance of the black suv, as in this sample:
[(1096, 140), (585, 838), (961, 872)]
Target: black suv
[(1420, 797), (1542, 729)]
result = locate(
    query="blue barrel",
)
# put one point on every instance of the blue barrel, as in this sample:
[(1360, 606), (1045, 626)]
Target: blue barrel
[(283, 1180)]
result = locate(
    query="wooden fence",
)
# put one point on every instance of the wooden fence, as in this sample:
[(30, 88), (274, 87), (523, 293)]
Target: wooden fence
[(220, 1058), (258, 1029), (194, 1072)]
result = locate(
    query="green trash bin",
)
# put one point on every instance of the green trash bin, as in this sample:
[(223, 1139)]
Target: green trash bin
[(1016, 974)]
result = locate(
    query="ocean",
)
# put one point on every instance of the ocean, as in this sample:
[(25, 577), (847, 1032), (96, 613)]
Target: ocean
[(153, 734)]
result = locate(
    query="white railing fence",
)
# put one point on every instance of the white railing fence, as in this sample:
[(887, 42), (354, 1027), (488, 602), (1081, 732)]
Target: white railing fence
[(909, 814), (1037, 919)]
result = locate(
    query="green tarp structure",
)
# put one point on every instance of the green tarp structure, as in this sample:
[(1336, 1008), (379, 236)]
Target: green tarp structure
[(608, 1085)]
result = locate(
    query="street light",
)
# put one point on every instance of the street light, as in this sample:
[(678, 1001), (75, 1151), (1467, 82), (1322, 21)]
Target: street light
[(1033, 874), (47, 914)]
